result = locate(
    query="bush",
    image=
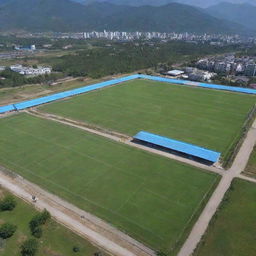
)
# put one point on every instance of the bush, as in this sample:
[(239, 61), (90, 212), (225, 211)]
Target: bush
[(160, 254), (45, 215), (7, 230), (37, 232), (76, 249), (29, 247), (98, 254), (7, 204), (34, 223), (37, 221)]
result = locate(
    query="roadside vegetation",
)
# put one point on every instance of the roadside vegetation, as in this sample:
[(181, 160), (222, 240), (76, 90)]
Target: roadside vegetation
[(251, 166), (232, 230), (27, 232)]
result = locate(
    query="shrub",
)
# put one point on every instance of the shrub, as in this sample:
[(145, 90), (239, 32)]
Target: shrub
[(160, 254), (29, 247), (34, 223), (8, 203), (7, 230), (37, 221), (44, 216), (37, 232), (76, 249), (98, 254)]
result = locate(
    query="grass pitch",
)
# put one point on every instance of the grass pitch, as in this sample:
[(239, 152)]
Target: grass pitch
[(232, 231), (152, 198), (56, 240), (208, 118)]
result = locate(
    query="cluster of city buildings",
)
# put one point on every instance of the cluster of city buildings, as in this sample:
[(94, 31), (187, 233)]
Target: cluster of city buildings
[(215, 39), (229, 65), (28, 71)]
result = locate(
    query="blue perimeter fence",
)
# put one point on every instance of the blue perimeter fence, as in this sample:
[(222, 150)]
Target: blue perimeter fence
[(46, 99)]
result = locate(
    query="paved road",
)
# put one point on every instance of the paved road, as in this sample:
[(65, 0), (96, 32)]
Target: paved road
[(241, 176), (203, 221)]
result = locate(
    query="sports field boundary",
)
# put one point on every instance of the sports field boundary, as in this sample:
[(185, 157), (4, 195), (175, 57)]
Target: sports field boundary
[(238, 141), (65, 94)]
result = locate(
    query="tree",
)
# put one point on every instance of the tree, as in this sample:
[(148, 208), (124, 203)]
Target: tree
[(29, 247), (7, 230), (7, 204), (76, 249), (38, 220), (37, 232), (98, 254), (45, 215), (160, 254)]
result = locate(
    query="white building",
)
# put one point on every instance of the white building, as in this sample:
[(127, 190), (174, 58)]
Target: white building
[(175, 72), (31, 71)]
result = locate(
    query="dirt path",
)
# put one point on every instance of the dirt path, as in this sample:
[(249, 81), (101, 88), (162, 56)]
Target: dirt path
[(123, 139), (243, 177), (236, 169), (90, 227)]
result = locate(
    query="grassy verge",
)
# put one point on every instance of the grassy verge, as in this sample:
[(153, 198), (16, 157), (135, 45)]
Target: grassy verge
[(239, 139), (232, 230), (251, 166), (55, 241)]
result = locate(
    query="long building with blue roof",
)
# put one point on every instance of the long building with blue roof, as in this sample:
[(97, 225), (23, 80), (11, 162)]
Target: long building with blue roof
[(179, 146)]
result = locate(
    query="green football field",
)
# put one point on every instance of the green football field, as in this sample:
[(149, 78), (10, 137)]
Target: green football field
[(152, 198), (232, 231), (208, 118)]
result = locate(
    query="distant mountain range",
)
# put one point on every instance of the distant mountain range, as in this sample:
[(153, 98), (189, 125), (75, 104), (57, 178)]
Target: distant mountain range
[(244, 14), (198, 3), (66, 16)]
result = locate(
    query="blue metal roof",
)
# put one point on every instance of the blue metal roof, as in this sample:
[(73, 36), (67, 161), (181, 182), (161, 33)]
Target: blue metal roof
[(179, 146), (204, 85), (65, 94), (6, 108)]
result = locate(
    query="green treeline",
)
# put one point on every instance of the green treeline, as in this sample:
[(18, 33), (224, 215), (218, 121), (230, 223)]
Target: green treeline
[(129, 57)]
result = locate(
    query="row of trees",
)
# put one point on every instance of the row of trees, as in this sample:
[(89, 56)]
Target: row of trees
[(7, 230)]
